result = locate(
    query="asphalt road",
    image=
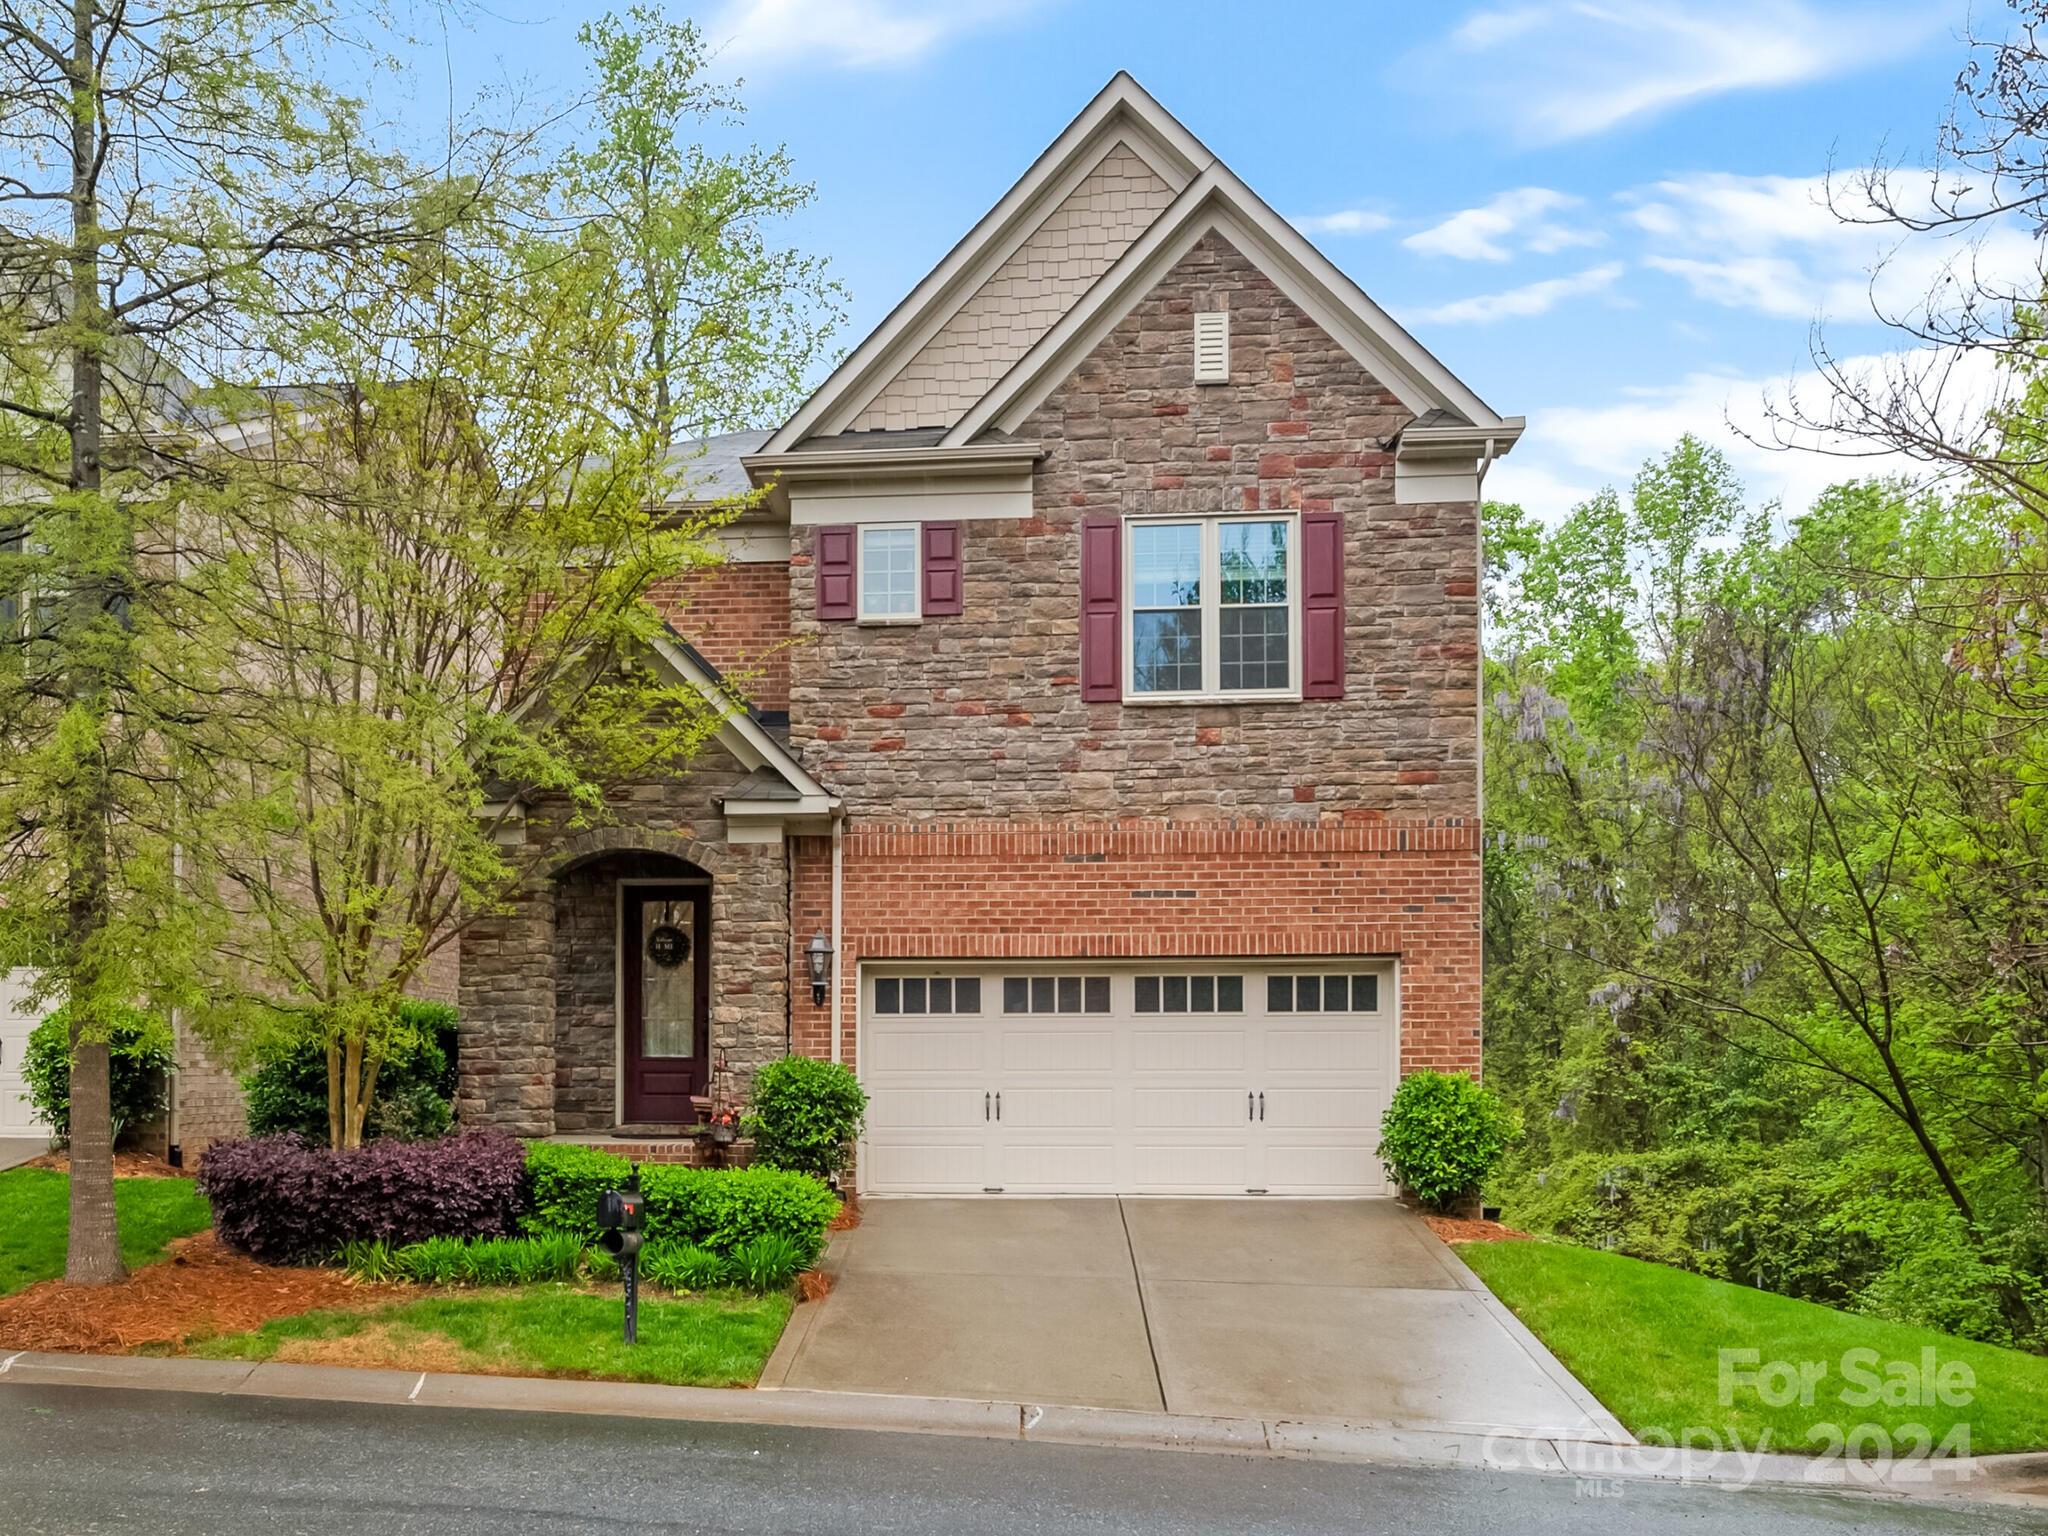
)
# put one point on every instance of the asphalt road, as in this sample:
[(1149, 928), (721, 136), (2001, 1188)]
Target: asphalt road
[(78, 1459)]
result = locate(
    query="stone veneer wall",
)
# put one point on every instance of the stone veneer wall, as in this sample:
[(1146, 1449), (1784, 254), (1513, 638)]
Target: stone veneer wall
[(980, 715), (536, 982)]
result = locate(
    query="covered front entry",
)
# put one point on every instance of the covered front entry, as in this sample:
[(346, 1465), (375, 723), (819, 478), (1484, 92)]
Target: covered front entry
[(664, 998), (1182, 1077)]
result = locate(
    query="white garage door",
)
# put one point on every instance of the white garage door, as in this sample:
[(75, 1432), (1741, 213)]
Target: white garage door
[(17, 1118), (1182, 1078)]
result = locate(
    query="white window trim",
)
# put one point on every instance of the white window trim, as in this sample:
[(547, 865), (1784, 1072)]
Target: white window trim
[(1211, 692), (860, 589)]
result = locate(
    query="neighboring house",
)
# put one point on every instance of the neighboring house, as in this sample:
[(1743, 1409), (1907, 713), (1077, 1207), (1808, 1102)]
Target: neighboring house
[(1111, 630)]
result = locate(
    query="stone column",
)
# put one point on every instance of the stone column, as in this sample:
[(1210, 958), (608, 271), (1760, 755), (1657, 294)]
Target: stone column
[(506, 1050)]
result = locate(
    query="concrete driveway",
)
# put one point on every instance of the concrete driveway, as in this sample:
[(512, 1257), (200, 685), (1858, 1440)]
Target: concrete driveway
[(1267, 1308), (16, 1150)]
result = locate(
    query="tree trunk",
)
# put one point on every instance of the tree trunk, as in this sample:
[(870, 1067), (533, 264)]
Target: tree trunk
[(335, 1119), (94, 1254)]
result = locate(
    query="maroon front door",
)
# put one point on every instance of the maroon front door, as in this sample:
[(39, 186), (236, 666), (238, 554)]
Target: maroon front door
[(667, 977)]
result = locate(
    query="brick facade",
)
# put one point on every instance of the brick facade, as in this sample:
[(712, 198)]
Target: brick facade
[(991, 813), (1132, 890), (737, 615)]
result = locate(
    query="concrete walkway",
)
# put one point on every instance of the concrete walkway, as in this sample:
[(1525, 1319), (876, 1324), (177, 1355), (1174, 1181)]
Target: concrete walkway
[(16, 1150), (1267, 1309)]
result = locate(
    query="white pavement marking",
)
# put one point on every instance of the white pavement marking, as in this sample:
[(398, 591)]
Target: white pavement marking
[(415, 1392), (10, 1360)]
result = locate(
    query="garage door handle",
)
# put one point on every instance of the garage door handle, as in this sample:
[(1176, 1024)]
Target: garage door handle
[(999, 1103), (1262, 1106), (984, 1106), (1248, 1104)]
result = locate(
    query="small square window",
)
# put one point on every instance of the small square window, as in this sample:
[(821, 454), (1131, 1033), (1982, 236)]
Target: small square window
[(1041, 994), (1230, 994), (913, 994), (1336, 992), (888, 995), (888, 572), (1146, 994), (1308, 994), (1070, 994), (1176, 994), (1016, 994), (1097, 988), (967, 994), (1202, 996), (942, 994), (1279, 994), (1365, 994)]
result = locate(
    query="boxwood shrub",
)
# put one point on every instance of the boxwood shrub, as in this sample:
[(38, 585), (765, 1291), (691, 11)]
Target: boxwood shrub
[(804, 1114), (283, 1200), (719, 1209), (1443, 1134)]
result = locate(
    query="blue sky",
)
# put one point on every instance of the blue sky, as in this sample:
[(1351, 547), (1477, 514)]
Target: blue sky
[(1602, 214)]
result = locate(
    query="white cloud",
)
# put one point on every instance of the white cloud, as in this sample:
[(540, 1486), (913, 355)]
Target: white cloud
[(1345, 221), (1570, 452), (849, 34), (1529, 299), (1773, 245), (1515, 218), (1563, 69)]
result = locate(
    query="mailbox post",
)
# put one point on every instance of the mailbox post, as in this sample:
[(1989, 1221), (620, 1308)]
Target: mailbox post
[(621, 1218)]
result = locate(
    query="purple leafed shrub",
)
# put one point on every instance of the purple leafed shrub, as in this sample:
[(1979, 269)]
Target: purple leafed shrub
[(283, 1200)]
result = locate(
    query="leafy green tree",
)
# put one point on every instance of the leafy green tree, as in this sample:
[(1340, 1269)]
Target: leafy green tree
[(163, 169)]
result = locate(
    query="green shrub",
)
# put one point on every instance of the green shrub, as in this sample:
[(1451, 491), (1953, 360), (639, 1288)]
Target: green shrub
[(485, 1261), (714, 1208), (684, 1267), (768, 1262), (1443, 1134), (415, 1086), (804, 1115), (139, 1046)]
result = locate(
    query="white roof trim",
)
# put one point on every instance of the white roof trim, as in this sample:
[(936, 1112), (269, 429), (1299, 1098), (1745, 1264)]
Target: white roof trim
[(740, 733), (1217, 200), (1121, 110)]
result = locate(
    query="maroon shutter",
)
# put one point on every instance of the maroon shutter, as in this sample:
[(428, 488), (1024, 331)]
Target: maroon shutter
[(941, 568), (1322, 605), (1102, 624), (835, 573)]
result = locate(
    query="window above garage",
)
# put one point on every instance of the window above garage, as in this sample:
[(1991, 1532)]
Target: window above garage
[(1212, 606)]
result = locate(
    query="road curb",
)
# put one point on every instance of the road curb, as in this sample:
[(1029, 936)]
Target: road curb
[(2003, 1479)]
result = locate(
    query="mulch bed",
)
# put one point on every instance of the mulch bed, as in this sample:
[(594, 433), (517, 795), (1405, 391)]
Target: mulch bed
[(202, 1288), (1456, 1229), (127, 1165), (848, 1217)]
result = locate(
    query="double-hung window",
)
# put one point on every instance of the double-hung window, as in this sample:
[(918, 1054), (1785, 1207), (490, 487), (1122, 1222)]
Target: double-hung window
[(1213, 608), (888, 573)]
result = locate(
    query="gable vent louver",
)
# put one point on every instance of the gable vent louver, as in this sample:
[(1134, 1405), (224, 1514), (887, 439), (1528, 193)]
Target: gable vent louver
[(1212, 347)]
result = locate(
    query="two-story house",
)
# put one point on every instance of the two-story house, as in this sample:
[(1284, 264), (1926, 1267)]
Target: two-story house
[(1110, 795)]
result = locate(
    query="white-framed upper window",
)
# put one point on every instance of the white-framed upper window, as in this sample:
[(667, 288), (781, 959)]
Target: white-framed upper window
[(1212, 607), (888, 574)]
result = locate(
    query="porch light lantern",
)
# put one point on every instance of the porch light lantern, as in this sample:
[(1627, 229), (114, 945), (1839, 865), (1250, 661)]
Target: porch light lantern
[(819, 957)]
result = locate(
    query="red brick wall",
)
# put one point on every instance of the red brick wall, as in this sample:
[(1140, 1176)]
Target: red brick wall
[(1149, 888), (738, 616)]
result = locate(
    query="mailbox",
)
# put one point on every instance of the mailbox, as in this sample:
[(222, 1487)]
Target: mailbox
[(621, 1218)]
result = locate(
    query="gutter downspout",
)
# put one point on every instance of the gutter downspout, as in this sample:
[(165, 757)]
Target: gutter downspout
[(838, 1030), (1479, 678)]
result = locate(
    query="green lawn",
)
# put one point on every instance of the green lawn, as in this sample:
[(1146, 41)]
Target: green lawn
[(1647, 1339), (719, 1340), (34, 1218)]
